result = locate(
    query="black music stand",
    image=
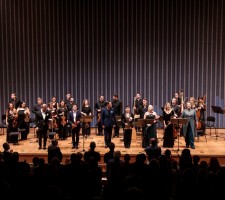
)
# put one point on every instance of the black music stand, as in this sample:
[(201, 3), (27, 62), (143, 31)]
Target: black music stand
[(141, 124), (218, 110), (118, 124), (178, 121), (86, 119)]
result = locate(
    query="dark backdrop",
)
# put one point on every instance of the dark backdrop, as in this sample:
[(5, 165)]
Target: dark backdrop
[(93, 47)]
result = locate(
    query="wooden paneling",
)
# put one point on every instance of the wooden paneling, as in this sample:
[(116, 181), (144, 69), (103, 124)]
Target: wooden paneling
[(92, 47)]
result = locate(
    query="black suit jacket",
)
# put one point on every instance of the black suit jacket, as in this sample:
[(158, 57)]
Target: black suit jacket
[(71, 118), (108, 118), (42, 123)]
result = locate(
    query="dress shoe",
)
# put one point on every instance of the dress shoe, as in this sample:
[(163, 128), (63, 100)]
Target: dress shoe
[(44, 148), (39, 148), (193, 147), (73, 147), (76, 147)]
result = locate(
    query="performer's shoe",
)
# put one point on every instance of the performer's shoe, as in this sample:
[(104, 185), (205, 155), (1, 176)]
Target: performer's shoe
[(39, 148), (193, 147)]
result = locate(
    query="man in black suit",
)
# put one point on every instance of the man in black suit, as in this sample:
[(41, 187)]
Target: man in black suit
[(108, 122), (117, 108), (74, 118), (43, 117), (35, 109)]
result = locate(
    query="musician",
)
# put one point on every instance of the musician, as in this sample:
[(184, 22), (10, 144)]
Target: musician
[(53, 123), (35, 109), (127, 123), (150, 129), (11, 122), (54, 102), (70, 104), (189, 129), (23, 119), (168, 139), (117, 108), (108, 122), (98, 108), (74, 118), (178, 99), (62, 117), (69, 108), (67, 99), (16, 102), (175, 107), (144, 109), (138, 106), (193, 102), (43, 117), (85, 111)]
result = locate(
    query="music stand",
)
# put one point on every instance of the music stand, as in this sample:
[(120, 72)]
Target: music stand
[(149, 121), (118, 124), (86, 119), (218, 110), (178, 121)]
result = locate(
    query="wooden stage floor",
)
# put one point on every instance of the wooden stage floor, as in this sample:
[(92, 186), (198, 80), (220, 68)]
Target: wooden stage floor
[(215, 146)]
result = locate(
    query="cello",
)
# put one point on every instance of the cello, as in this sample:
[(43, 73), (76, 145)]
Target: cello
[(201, 105)]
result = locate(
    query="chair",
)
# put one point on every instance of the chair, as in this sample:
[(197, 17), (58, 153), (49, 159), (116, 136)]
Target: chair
[(13, 137), (3, 124), (210, 123)]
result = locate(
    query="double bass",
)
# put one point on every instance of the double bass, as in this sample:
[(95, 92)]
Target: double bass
[(201, 105)]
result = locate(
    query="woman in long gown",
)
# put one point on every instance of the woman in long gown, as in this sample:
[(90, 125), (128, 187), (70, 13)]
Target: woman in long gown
[(150, 128), (168, 139)]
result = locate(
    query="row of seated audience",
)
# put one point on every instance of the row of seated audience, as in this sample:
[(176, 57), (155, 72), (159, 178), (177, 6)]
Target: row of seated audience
[(151, 176)]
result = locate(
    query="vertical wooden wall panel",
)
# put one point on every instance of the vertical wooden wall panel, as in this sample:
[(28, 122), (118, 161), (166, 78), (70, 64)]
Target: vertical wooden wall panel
[(93, 47)]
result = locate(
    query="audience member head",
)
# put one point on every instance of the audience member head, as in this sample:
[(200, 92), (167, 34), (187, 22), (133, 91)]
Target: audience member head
[(111, 146), (6, 146), (92, 145), (117, 155), (127, 158), (153, 142)]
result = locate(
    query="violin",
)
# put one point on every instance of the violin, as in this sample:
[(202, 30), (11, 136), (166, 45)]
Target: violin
[(63, 119), (27, 116), (14, 122)]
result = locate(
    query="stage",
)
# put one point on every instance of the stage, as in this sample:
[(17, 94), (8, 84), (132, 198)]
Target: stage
[(214, 146)]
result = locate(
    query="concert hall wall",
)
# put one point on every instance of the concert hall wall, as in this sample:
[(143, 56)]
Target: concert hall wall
[(93, 47)]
